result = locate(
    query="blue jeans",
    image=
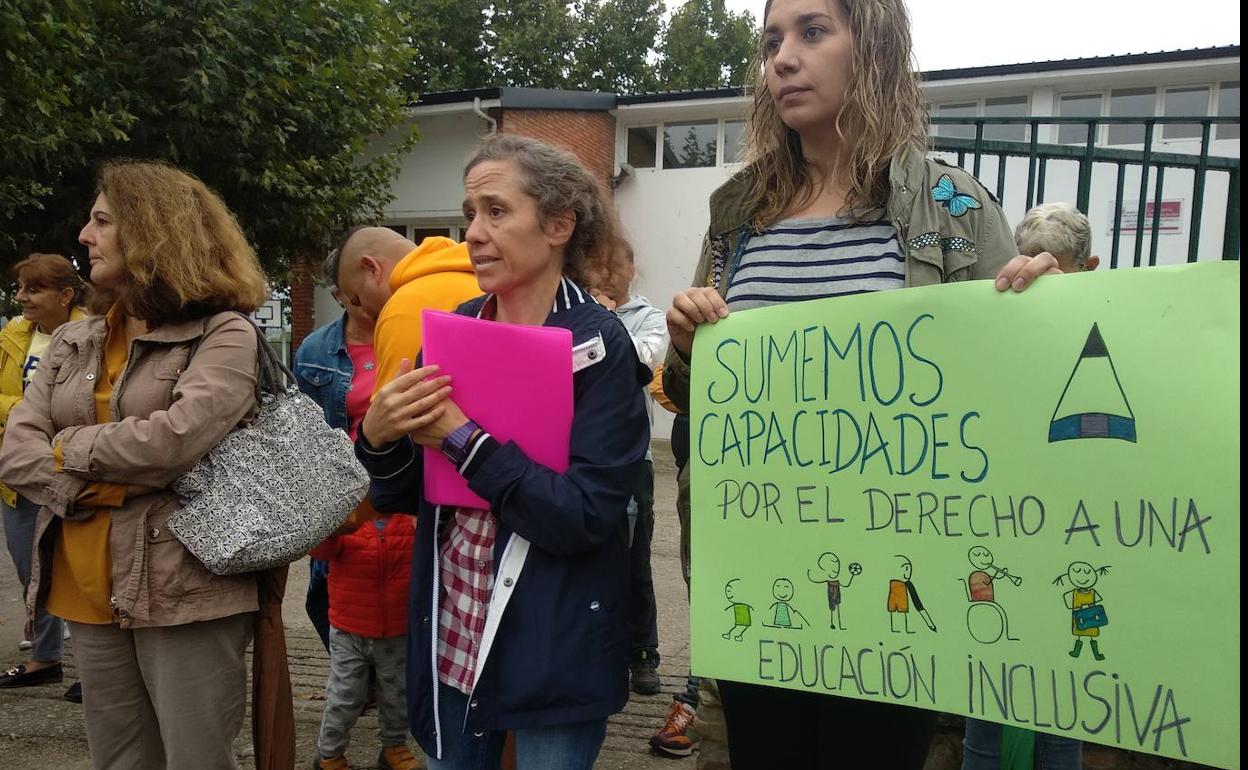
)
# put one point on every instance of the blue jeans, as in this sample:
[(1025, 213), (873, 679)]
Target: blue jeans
[(19, 535), (981, 749), (560, 747)]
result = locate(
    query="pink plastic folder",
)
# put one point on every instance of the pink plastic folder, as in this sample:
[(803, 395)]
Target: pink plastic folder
[(515, 381)]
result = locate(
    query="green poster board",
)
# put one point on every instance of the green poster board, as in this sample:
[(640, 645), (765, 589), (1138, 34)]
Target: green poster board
[(1017, 507)]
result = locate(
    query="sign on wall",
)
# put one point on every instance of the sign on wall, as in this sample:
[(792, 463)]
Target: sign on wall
[(1169, 223), (1022, 508)]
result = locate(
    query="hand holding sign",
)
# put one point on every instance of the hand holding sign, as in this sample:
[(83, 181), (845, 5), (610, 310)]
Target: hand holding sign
[(692, 307)]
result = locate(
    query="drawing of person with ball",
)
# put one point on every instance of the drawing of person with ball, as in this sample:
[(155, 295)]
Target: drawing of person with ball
[(829, 573)]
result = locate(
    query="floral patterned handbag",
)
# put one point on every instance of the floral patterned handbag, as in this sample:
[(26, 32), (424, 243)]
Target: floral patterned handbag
[(272, 489)]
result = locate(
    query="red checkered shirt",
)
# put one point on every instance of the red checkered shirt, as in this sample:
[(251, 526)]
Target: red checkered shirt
[(467, 580)]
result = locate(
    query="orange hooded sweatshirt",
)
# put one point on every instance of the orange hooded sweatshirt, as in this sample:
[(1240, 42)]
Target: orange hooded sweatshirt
[(437, 275)]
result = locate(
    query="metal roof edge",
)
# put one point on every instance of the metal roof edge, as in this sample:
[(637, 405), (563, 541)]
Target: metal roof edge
[(1093, 62)]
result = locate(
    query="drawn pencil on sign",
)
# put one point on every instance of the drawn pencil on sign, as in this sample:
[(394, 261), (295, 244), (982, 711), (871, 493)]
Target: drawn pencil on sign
[(1093, 403)]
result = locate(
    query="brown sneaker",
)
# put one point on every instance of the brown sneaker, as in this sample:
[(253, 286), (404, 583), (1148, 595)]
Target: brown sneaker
[(398, 758), (333, 763), (672, 739)]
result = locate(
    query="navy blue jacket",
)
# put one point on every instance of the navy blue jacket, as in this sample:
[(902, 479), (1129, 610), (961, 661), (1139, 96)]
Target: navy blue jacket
[(556, 644)]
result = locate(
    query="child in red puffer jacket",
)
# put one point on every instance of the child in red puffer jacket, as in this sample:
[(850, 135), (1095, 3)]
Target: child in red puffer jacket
[(369, 568)]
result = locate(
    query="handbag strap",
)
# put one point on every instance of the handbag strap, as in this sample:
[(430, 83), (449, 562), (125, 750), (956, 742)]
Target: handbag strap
[(272, 376)]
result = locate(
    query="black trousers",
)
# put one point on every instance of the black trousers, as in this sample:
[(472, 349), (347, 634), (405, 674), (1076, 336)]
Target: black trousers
[(770, 727), (643, 614)]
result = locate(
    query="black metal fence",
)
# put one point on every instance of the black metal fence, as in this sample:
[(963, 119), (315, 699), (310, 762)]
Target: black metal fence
[(1088, 154)]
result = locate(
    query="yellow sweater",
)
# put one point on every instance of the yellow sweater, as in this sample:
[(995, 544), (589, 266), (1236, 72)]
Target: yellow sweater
[(82, 565)]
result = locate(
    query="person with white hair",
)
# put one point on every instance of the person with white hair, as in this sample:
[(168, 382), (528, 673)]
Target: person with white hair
[(1061, 230)]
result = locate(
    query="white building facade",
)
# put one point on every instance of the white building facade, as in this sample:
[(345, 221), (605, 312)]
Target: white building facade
[(664, 154)]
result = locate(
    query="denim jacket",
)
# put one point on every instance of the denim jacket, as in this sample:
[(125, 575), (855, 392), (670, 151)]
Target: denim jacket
[(323, 367)]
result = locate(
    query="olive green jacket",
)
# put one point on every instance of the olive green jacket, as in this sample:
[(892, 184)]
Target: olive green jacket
[(938, 245)]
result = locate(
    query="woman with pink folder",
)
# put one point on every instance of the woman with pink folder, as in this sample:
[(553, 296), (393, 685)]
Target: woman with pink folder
[(518, 615)]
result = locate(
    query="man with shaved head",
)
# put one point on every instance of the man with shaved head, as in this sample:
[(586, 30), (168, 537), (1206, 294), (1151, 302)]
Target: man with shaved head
[(392, 279)]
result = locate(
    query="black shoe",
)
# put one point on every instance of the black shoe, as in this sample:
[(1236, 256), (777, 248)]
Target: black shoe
[(645, 671), (18, 676), (74, 693)]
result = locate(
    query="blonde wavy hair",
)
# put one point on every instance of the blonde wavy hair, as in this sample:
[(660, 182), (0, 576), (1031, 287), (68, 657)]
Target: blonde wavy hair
[(883, 116), (186, 256)]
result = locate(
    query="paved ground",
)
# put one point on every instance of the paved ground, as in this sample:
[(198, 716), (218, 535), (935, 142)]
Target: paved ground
[(39, 730)]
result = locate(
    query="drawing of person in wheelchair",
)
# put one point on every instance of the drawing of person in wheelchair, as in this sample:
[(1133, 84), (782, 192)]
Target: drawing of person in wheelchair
[(986, 620)]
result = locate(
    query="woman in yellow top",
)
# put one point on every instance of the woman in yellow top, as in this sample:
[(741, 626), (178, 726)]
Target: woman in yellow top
[(120, 407), (51, 293)]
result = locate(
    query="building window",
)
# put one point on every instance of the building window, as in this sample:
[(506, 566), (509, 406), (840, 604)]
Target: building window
[(642, 148), (1077, 106), (689, 145), (1182, 103), (734, 141), (962, 110), (421, 233), (1007, 107), (400, 229), (1130, 103), (1228, 105)]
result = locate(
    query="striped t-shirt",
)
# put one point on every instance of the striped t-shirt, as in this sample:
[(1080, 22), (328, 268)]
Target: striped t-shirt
[(801, 259)]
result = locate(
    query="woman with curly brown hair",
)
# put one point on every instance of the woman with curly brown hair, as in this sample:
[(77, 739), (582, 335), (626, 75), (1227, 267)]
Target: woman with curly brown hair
[(121, 405), (837, 198)]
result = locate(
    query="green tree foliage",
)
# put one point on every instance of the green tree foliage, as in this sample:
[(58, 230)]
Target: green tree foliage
[(450, 42), (294, 109), (277, 104), (532, 43), (614, 44), (50, 59), (705, 45)]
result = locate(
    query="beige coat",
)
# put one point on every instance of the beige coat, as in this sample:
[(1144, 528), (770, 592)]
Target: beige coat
[(14, 342), (169, 409)]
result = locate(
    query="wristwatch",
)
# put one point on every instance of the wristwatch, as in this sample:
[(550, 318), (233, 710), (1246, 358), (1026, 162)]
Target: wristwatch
[(455, 445)]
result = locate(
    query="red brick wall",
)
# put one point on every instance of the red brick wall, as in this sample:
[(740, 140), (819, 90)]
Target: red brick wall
[(302, 302), (588, 135)]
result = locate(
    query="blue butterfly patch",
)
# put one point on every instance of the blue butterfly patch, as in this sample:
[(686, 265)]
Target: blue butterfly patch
[(948, 196)]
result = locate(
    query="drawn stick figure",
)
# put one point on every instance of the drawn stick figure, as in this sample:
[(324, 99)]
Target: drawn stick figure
[(741, 612), (1087, 616), (901, 594), (829, 574), (986, 620), (783, 614)]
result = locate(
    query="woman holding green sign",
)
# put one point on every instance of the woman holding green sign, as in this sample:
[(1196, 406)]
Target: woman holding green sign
[(837, 198)]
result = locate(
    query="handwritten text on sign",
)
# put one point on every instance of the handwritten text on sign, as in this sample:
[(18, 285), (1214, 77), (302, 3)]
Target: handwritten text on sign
[(1019, 508)]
